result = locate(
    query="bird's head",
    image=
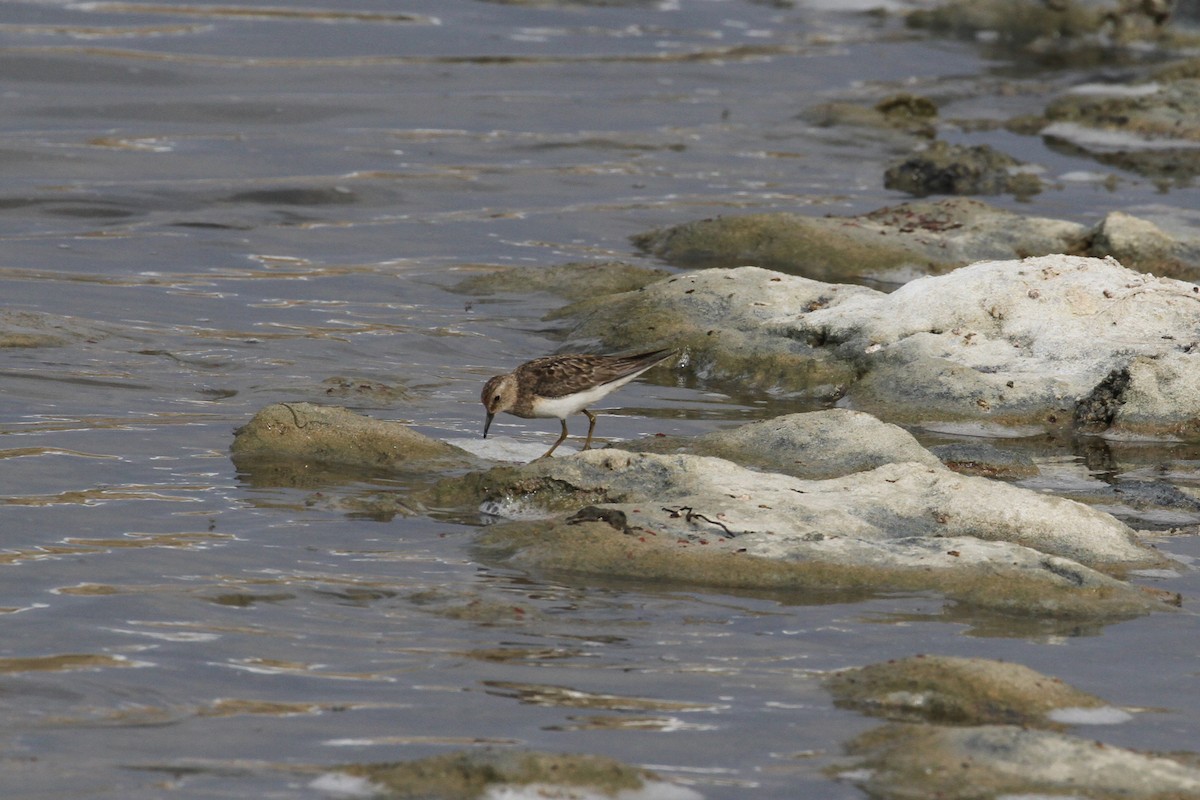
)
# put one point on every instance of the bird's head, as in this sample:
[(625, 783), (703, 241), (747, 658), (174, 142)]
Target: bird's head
[(499, 394)]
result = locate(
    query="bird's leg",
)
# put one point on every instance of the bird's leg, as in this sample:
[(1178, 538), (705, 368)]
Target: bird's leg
[(591, 427), (557, 443)]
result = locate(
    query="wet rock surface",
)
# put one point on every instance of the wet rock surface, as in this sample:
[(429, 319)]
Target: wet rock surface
[(1040, 27), (574, 281), (20, 329), (971, 727), (491, 773), (894, 243), (957, 691), (901, 117), (902, 526), (985, 460)]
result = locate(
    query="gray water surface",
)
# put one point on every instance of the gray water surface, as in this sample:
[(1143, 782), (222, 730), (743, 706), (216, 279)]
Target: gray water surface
[(234, 208)]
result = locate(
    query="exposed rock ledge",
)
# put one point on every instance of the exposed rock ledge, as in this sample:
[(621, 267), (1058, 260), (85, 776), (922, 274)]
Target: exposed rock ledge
[(1046, 341), (905, 526)]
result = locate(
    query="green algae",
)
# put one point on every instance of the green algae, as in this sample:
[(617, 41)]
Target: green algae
[(468, 775), (573, 281), (958, 691), (814, 247)]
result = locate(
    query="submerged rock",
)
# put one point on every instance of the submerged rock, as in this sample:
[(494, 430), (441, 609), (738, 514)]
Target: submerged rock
[(985, 460), (957, 691), (497, 773), (907, 526), (1152, 128), (1039, 342), (891, 244), (992, 729), (1044, 26), (902, 116), (35, 329), (574, 281), (957, 763)]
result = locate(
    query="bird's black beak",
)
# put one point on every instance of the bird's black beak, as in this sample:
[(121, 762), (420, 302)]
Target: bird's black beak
[(488, 423)]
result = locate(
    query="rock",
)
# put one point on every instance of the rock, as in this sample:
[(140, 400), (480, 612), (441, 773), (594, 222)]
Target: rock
[(1014, 22), (957, 763), (943, 168), (1018, 343), (1046, 26), (1140, 244), (303, 434), (966, 230), (906, 114), (957, 691), (363, 389), (1152, 128), (497, 773), (35, 329), (891, 244), (723, 319), (824, 248), (904, 526), (574, 281), (1162, 397), (819, 444)]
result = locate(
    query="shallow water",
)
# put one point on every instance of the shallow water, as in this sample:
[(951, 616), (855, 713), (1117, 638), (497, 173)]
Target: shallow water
[(235, 207)]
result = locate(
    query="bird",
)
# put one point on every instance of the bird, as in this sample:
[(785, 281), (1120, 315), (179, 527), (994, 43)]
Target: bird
[(562, 385)]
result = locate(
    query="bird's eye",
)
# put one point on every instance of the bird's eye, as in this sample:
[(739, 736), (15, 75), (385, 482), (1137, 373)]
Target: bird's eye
[(496, 399)]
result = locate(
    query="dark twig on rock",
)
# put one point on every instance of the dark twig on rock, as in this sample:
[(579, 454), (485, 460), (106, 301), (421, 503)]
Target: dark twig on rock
[(688, 513)]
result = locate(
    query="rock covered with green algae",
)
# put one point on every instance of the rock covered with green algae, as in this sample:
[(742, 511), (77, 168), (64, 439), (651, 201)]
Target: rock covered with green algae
[(1043, 26), (991, 729), (574, 281), (900, 116), (475, 775), (305, 433), (905, 526), (957, 691), (892, 243), (20, 329), (897, 243), (966, 763), (1023, 343)]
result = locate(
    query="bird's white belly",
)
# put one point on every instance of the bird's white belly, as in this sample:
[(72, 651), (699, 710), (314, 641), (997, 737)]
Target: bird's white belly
[(563, 407)]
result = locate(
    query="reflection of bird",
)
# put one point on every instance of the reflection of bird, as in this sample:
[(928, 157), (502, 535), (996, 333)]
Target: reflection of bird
[(559, 386)]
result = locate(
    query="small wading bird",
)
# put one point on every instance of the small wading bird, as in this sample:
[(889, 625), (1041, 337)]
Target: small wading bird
[(559, 386)]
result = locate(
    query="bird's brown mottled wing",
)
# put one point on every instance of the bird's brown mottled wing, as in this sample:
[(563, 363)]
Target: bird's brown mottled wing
[(557, 376)]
